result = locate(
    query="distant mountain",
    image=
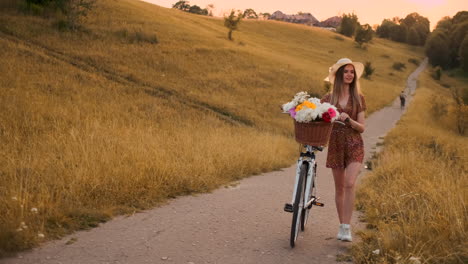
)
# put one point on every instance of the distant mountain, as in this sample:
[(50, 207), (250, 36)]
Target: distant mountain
[(331, 22), (303, 18)]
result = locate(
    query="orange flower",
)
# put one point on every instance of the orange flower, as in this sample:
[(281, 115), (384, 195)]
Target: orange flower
[(306, 104)]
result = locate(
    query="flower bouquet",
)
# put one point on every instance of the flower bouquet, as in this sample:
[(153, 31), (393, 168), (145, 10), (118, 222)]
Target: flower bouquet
[(312, 119)]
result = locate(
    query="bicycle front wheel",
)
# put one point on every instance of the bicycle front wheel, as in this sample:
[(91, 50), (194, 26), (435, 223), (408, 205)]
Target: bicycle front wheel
[(298, 204), (306, 211)]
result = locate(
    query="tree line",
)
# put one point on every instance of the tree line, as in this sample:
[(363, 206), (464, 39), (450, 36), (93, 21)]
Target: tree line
[(185, 6), (447, 46), (413, 29)]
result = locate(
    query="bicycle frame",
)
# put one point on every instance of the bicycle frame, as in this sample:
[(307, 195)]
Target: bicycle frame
[(309, 158)]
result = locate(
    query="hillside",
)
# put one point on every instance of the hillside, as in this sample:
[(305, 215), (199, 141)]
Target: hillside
[(105, 121), (423, 172)]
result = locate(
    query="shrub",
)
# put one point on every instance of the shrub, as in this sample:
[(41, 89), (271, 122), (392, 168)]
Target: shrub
[(438, 109), (461, 108), (368, 70), (399, 66), (414, 61), (137, 36), (232, 22), (436, 73), (363, 34), (340, 38)]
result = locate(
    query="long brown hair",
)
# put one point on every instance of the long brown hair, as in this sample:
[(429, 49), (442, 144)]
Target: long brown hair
[(354, 91)]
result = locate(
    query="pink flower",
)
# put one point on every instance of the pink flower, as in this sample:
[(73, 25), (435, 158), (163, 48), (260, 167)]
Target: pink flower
[(326, 117), (292, 112), (331, 112)]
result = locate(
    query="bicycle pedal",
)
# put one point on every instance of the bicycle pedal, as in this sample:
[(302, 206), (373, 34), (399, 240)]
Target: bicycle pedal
[(288, 208), (318, 204)]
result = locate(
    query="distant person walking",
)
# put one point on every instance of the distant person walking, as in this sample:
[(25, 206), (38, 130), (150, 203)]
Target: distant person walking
[(402, 99), (346, 147)]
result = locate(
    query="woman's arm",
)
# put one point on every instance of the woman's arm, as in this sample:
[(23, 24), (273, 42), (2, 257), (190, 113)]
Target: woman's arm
[(358, 124)]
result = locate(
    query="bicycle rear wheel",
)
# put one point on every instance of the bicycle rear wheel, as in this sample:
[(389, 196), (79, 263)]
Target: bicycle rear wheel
[(298, 204)]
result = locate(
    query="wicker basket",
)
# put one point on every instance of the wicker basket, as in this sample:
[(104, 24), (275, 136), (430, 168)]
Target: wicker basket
[(313, 133)]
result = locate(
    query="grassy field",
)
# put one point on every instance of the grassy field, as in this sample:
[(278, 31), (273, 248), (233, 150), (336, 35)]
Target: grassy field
[(147, 103), (415, 200)]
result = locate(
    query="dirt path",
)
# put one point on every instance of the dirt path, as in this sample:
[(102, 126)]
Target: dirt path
[(241, 224)]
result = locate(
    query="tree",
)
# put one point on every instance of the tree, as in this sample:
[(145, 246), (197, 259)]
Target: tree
[(363, 34), (444, 24), (437, 49), (349, 24), (210, 8), (399, 33), (182, 5), (385, 28), (456, 35), (232, 22), (460, 17), (463, 54), (413, 37), (452, 33), (198, 10), (250, 14), (420, 25), (266, 15)]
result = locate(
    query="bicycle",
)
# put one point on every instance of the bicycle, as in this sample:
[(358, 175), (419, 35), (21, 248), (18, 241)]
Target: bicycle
[(305, 190)]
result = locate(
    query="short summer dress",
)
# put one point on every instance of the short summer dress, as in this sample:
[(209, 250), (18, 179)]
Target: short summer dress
[(345, 145)]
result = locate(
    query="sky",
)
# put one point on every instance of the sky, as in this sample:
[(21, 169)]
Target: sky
[(368, 11)]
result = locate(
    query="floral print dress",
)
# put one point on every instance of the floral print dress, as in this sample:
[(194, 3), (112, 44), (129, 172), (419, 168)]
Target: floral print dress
[(345, 145)]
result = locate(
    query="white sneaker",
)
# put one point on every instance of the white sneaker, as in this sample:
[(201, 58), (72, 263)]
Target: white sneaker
[(347, 233), (340, 233)]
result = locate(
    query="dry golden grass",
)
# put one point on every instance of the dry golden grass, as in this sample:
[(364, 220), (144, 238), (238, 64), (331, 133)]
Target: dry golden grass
[(415, 199), (100, 122)]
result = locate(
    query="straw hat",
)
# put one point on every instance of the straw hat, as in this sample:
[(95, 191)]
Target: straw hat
[(358, 67)]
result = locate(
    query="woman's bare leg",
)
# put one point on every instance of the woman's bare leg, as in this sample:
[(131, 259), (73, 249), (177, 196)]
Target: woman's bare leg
[(351, 173), (339, 176)]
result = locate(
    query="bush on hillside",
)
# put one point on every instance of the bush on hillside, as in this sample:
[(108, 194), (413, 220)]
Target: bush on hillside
[(232, 22), (137, 36), (438, 109), (368, 69), (436, 73), (461, 108), (363, 34), (398, 66), (340, 38), (414, 61)]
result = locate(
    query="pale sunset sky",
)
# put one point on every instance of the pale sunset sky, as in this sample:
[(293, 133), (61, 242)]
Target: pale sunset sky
[(368, 11)]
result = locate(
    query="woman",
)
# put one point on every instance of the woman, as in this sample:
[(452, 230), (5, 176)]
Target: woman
[(346, 148)]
